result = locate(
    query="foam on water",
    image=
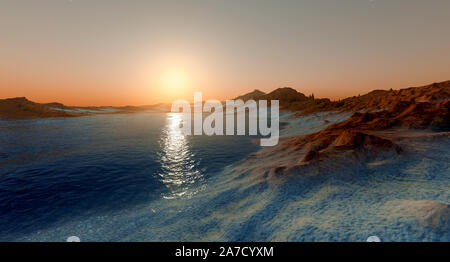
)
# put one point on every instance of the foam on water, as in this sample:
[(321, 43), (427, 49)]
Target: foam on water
[(56, 171), (350, 203)]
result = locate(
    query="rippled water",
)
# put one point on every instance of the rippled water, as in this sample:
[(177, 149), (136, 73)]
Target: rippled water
[(136, 178), (58, 170)]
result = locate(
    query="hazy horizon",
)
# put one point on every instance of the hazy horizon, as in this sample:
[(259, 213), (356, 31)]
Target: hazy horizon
[(116, 53)]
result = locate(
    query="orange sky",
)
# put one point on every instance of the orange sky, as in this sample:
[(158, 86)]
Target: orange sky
[(137, 53)]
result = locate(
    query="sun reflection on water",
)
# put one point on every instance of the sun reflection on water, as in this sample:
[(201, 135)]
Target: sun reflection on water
[(180, 172)]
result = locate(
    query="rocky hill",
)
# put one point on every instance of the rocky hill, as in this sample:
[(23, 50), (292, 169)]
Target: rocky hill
[(383, 99), (361, 138), (20, 107), (255, 95)]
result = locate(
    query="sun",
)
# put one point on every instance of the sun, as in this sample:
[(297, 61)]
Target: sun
[(175, 84), (175, 80)]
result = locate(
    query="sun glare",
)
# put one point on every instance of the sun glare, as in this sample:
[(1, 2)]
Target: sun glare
[(175, 80), (175, 84)]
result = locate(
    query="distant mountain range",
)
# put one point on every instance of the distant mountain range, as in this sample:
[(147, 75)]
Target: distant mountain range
[(21, 107), (290, 99)]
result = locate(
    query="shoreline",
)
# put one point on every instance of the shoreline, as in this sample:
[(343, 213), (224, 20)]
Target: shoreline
[(345, 202)]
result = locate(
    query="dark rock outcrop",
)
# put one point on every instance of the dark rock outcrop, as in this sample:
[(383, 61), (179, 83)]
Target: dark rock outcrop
[(20, 107)]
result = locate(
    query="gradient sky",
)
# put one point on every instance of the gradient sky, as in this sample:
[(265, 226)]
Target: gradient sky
[(111, 52)]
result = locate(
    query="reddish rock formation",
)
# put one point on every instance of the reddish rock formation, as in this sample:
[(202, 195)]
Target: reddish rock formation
[(393, 100), (21, 107), (325, 144), (381, 99), (350, 143), (255, 95), (403, 114), (288, 97)]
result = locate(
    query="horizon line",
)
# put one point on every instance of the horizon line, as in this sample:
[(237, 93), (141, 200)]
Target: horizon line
[(221, 100)]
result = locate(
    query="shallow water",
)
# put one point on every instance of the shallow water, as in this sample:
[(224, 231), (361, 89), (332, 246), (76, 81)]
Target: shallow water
[(56, 171), (131, 178)]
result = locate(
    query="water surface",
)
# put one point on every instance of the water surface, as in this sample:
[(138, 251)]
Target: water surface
[(54, 171)]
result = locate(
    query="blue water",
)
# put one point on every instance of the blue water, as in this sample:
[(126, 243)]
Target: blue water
[(56, 171), (134, 177)]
